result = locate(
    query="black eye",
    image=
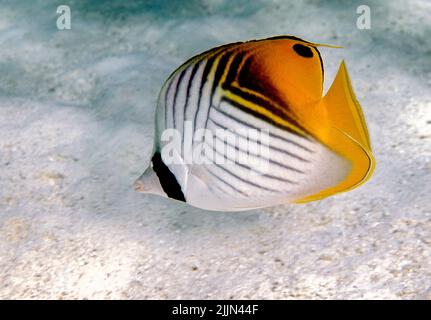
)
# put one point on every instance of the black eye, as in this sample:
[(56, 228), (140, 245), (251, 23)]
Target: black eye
[(302, 50)]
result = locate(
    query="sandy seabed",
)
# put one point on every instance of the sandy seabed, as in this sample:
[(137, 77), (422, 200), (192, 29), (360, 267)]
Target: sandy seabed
[(76, 129)]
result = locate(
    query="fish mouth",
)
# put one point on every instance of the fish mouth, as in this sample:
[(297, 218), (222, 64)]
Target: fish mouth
[(139, 186)]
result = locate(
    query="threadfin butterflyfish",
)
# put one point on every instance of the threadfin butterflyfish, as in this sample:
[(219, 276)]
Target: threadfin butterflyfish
[(245, 126)]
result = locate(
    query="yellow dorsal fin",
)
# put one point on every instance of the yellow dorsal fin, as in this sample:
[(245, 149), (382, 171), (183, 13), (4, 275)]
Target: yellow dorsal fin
[(347, 135), (332, 46)]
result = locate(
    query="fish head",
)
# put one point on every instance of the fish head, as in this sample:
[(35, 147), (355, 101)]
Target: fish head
[(149, 182), (159, 179)]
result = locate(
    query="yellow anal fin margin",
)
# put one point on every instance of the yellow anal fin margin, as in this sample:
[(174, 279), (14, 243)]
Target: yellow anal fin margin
[(347, 135)]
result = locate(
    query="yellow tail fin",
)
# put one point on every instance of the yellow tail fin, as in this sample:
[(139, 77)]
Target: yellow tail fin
[(348, 134), (344, 109)]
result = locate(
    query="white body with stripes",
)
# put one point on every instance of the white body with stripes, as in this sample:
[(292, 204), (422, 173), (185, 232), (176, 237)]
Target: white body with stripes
[(297, 166)]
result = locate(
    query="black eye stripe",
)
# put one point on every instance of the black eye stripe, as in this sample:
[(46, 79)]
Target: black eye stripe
[(302, 50), (167, 179)]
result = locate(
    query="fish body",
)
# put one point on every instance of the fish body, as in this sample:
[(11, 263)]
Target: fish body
[(245, 126)]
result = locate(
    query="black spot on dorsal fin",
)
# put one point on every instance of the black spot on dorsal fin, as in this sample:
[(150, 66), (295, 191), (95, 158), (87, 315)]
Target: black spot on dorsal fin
[(167, 179), (302, 50)]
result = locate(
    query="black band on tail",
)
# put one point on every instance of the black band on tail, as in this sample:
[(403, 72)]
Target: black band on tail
[(167, 179)]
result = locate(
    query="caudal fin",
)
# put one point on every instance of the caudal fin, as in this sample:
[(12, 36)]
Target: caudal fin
[(347, 135), (344, 110)]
